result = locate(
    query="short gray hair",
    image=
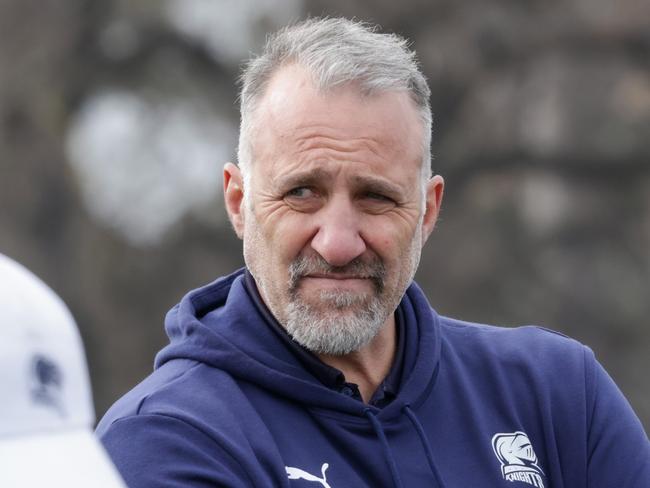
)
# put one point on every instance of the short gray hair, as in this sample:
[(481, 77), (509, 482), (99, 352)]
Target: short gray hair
[(335, 51)]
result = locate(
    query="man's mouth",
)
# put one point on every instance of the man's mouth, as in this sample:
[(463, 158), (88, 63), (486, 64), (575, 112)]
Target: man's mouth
[(351, 285), (336, 276), (354, 276)]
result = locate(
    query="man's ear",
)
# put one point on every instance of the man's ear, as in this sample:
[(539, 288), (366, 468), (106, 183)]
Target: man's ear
[(433, 199), (233, 194)]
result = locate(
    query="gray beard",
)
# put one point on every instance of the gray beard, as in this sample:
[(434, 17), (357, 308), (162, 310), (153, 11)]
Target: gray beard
[(345, 323)]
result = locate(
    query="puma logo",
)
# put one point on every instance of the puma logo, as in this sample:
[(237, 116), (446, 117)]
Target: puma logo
[(299, 474)]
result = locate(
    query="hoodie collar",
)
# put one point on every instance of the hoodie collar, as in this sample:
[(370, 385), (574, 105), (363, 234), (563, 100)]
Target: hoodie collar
[(329, 376), (220, 325)]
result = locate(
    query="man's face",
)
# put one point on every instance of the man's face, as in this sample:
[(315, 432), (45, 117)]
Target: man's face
[(334, 219)]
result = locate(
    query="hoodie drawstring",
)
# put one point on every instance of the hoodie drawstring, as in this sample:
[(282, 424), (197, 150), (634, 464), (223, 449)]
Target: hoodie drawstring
[(397, 482), (425, 443), (388, 454)]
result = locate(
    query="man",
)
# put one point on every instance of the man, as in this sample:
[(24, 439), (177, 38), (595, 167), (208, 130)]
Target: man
[(322, 363), (46, 412)]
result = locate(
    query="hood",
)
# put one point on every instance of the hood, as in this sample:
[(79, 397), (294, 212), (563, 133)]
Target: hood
[(219, 325)]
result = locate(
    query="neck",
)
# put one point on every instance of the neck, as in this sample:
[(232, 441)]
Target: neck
[(368, 366)]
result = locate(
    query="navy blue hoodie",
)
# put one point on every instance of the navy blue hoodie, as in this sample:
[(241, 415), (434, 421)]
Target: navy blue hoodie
[(229, 404)]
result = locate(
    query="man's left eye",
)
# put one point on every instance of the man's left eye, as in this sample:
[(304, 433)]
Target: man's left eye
[(378, 197), (376, 202)]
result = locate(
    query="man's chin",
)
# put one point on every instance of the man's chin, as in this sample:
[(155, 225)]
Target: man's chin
[(339, 334)]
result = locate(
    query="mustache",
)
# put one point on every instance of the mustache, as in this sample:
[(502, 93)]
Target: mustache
[(370, 268)]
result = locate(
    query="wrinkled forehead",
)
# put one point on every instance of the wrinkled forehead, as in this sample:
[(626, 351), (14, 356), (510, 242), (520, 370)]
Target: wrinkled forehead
[(293, 105)]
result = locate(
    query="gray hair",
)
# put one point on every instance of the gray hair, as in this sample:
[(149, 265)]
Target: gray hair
[(336, 51)]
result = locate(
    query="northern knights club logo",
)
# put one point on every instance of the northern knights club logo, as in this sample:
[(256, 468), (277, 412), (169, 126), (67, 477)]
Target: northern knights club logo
[(518, 459), (47, 383)]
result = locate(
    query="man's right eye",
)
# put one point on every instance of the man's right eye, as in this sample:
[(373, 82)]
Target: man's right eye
[(303, 199), (300, 192)]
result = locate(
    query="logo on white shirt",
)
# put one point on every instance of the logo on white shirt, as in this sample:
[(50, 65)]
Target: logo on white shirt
[(518, 459), (47, 383)]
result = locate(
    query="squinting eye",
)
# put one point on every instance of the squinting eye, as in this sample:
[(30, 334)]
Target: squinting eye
[(300, 192), (378, 197)]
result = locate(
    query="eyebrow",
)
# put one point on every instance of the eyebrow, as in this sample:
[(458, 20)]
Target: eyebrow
[(302, 178)]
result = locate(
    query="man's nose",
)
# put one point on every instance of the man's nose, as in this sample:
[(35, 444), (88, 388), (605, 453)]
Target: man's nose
[(338, 239)]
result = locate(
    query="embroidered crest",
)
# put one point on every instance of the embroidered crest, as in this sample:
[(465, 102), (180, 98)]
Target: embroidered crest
[(518, 459)]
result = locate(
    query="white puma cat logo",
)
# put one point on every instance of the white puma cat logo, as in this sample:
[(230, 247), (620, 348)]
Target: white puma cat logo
[(299, 474)]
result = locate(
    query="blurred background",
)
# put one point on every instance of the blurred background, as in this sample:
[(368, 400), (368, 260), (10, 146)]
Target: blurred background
[(117, 115)]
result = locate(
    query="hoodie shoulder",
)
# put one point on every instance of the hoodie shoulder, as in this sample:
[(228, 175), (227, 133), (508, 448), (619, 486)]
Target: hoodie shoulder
[(181, 388), (169, 377), (520, 362), (199, 420), (527, 343)]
